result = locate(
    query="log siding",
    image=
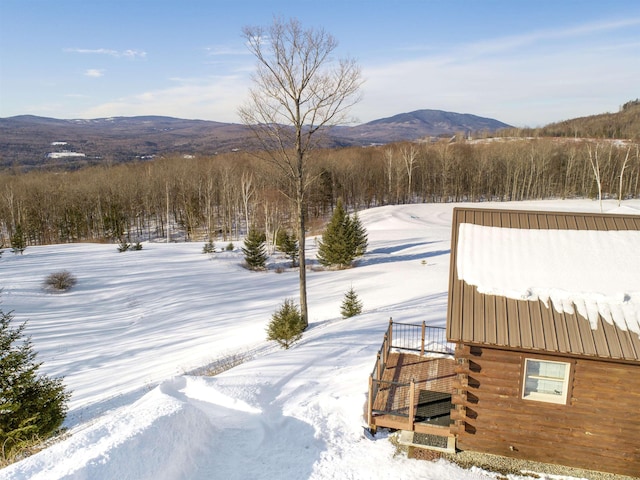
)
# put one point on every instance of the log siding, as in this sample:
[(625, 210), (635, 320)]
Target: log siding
[(598, 428)]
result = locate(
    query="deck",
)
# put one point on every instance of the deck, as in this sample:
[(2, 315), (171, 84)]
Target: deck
[(433, 385)]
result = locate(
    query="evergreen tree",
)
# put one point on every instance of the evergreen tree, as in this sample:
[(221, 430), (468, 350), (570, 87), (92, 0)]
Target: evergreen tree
[(360, 237), (343, 240), (255, 252), (335, 248), (286, 325), (18, 240), (351, 304), (288, 245), (32, 406)]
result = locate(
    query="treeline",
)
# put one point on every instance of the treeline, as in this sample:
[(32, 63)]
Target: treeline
[(623, 124), (219, 197)]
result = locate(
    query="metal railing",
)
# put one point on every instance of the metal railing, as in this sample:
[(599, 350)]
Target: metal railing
[(408, 337)]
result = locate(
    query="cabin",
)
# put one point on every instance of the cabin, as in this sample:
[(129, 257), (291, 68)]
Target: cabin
[(543, 318)]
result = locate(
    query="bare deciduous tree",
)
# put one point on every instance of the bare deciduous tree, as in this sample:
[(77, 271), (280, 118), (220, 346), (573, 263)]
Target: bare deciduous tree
[(299, 91)]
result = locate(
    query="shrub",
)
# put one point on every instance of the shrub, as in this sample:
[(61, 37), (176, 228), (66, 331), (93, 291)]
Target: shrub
[(229, 247), (137, 246), (351, 304), (286, 325), (123, 246), (60, 281), (209, 247), (33, 406)]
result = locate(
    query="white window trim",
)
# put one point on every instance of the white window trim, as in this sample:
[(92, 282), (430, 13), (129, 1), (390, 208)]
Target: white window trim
[(547, 397)]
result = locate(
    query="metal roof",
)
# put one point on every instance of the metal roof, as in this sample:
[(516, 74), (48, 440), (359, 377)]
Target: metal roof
[(499, 321)]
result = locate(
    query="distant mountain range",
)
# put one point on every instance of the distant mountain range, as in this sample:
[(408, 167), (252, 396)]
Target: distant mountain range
[(32, 142)]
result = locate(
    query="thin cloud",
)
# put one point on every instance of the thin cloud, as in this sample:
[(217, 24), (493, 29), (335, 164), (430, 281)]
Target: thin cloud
[(106, 51), (214, 98), (94, 73), (225, 50)]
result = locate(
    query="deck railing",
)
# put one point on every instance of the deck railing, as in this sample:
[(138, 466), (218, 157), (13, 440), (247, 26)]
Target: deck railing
[(408, 337)]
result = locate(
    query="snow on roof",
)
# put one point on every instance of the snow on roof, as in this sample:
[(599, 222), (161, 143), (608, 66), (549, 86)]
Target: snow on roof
[(593, 272)]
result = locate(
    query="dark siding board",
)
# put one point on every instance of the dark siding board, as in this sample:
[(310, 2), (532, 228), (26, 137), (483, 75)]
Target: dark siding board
[(543, 222), (540, 338), (561, 222), (610, 339), (575, 334), (490, 316), (559, 322), (467, 313), (627, 345), (586, 334), (502, 324), (478, 315), (512, 321), (524, 319), (600, 340)]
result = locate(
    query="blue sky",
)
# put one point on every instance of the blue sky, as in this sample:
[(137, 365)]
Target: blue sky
[(526, 63)]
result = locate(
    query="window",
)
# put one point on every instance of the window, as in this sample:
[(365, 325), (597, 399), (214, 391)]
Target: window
[(546, 381)]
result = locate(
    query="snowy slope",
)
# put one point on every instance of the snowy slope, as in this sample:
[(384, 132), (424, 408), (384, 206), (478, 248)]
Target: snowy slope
[(136, 323)]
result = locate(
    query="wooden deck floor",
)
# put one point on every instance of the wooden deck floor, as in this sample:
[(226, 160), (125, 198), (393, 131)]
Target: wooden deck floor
[(430, 374)]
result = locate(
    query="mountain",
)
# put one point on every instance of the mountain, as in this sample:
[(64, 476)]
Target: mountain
[(34, 142), (423, 123)]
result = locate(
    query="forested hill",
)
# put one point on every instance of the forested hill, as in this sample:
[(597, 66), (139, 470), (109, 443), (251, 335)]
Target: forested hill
[(624, 124), (35, 142)]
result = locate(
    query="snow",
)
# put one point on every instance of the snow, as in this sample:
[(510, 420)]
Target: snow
[(65, 154), (595, 272), (130, 335)]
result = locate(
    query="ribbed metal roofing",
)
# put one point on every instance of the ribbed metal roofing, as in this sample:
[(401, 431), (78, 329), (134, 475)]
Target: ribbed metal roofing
[(499, 321)]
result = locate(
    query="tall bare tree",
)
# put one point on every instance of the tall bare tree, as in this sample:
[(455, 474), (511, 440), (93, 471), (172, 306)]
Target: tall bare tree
[(298, 91)]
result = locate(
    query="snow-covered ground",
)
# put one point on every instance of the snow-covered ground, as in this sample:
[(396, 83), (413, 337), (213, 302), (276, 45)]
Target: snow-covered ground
[(127, 336)]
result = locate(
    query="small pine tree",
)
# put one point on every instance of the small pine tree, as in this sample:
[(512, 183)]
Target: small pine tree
[(255, 253), (33, 406), (360, 237), (335, 248), (18, 240), (288, 245), (351, 304), (209, 247), (343, 240), (286, 325)]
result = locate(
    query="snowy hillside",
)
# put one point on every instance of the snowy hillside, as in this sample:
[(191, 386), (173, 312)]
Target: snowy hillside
[(136, 326)]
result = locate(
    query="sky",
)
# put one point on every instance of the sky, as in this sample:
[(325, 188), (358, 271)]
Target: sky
[(520, 62)]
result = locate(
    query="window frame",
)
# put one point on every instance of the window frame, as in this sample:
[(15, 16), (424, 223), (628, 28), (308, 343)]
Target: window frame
[(562, 399)]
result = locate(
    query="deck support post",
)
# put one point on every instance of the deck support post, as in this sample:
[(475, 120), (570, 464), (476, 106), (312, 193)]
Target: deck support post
[(412, 404), (370, 403)]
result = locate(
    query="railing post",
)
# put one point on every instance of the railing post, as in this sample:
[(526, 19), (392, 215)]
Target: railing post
[(379, 369), (412, 406), (390, 332), (370, 402), (422, 343)]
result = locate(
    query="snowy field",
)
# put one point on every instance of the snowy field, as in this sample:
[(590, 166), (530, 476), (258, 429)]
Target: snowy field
[(128, 337)]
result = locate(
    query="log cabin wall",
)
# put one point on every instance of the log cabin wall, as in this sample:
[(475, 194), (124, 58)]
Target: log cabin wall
[(597, 429)]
